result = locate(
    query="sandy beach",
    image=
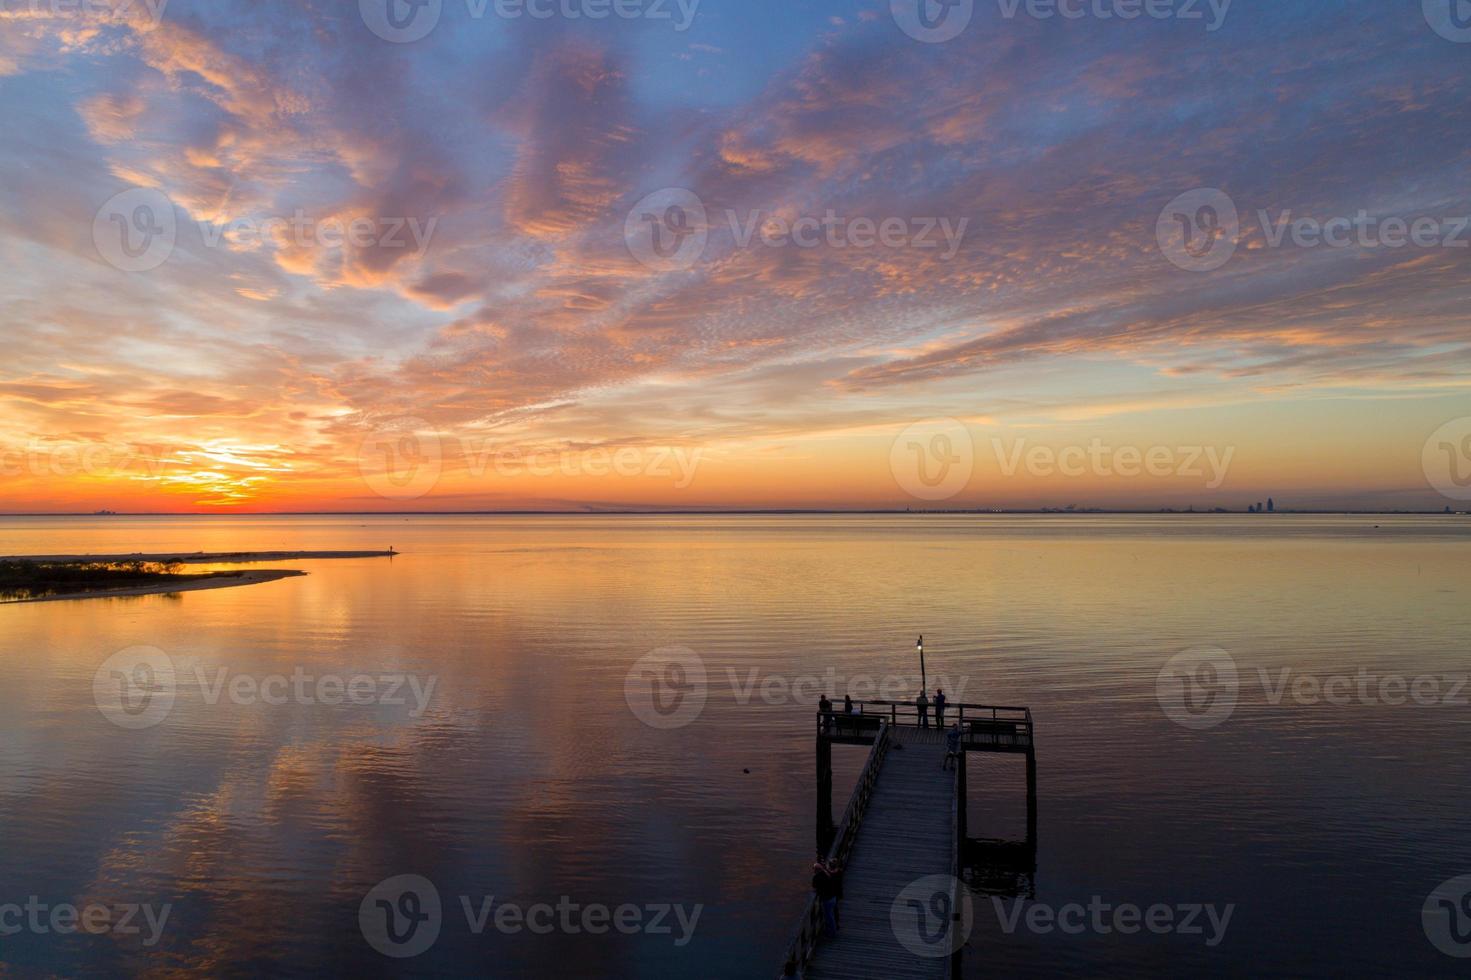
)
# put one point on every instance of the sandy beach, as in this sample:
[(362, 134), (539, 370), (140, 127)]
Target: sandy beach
[(222, 581), (186, 583)]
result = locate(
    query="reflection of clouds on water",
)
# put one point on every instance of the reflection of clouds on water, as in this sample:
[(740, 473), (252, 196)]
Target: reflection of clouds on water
[(529, 777)]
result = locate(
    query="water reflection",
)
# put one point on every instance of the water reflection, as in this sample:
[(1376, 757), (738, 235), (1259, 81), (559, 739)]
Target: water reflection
[(1003, 868), (529, 778)]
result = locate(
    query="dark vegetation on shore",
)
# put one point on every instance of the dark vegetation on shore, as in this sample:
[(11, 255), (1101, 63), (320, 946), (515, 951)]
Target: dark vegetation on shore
[(37, 580)]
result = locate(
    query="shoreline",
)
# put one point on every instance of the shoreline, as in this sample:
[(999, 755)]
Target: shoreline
[(200, 557), (222, 581)]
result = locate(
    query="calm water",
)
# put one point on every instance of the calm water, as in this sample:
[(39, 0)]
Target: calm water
[(529, 778)]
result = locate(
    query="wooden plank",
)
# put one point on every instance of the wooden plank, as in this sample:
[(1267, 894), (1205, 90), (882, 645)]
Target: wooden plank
[(906, 835)]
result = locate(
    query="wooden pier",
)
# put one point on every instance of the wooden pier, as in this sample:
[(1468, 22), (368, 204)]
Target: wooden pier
[(905, 824)]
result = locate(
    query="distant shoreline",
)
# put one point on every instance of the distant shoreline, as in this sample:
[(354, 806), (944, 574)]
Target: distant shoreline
[(911, 512), (200, 557), (181, 583)]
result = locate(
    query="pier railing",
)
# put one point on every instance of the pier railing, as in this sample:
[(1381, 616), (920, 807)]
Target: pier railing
[(981, 725), (809, 930)]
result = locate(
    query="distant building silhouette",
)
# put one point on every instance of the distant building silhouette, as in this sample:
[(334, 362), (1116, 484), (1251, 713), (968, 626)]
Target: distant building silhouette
[(1271, 505)]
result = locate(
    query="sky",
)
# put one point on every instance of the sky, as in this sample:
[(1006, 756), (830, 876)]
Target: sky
[(287, 255)]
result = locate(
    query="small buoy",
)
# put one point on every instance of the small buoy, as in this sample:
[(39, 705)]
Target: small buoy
[(746, 771)]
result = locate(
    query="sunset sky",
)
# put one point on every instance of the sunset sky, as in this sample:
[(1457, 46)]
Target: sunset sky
[(497, 335)]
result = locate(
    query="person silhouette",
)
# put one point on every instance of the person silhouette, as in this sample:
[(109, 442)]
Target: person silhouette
[(939, 707), (952, 747), (923, 704)]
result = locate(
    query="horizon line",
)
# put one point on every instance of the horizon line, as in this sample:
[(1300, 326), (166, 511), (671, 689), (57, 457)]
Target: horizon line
[(773, 511)]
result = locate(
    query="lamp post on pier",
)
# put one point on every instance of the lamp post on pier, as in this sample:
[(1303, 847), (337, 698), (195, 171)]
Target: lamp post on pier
[(923, 681)]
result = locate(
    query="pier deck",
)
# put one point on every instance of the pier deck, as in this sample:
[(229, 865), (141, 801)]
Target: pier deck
[(905, 823)]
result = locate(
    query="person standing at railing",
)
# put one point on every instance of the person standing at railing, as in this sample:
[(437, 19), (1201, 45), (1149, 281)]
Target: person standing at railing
[(835, 876), (847, 704), (939, 707), (823, 885), (825, 708), (922, 704), (952, 747)]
